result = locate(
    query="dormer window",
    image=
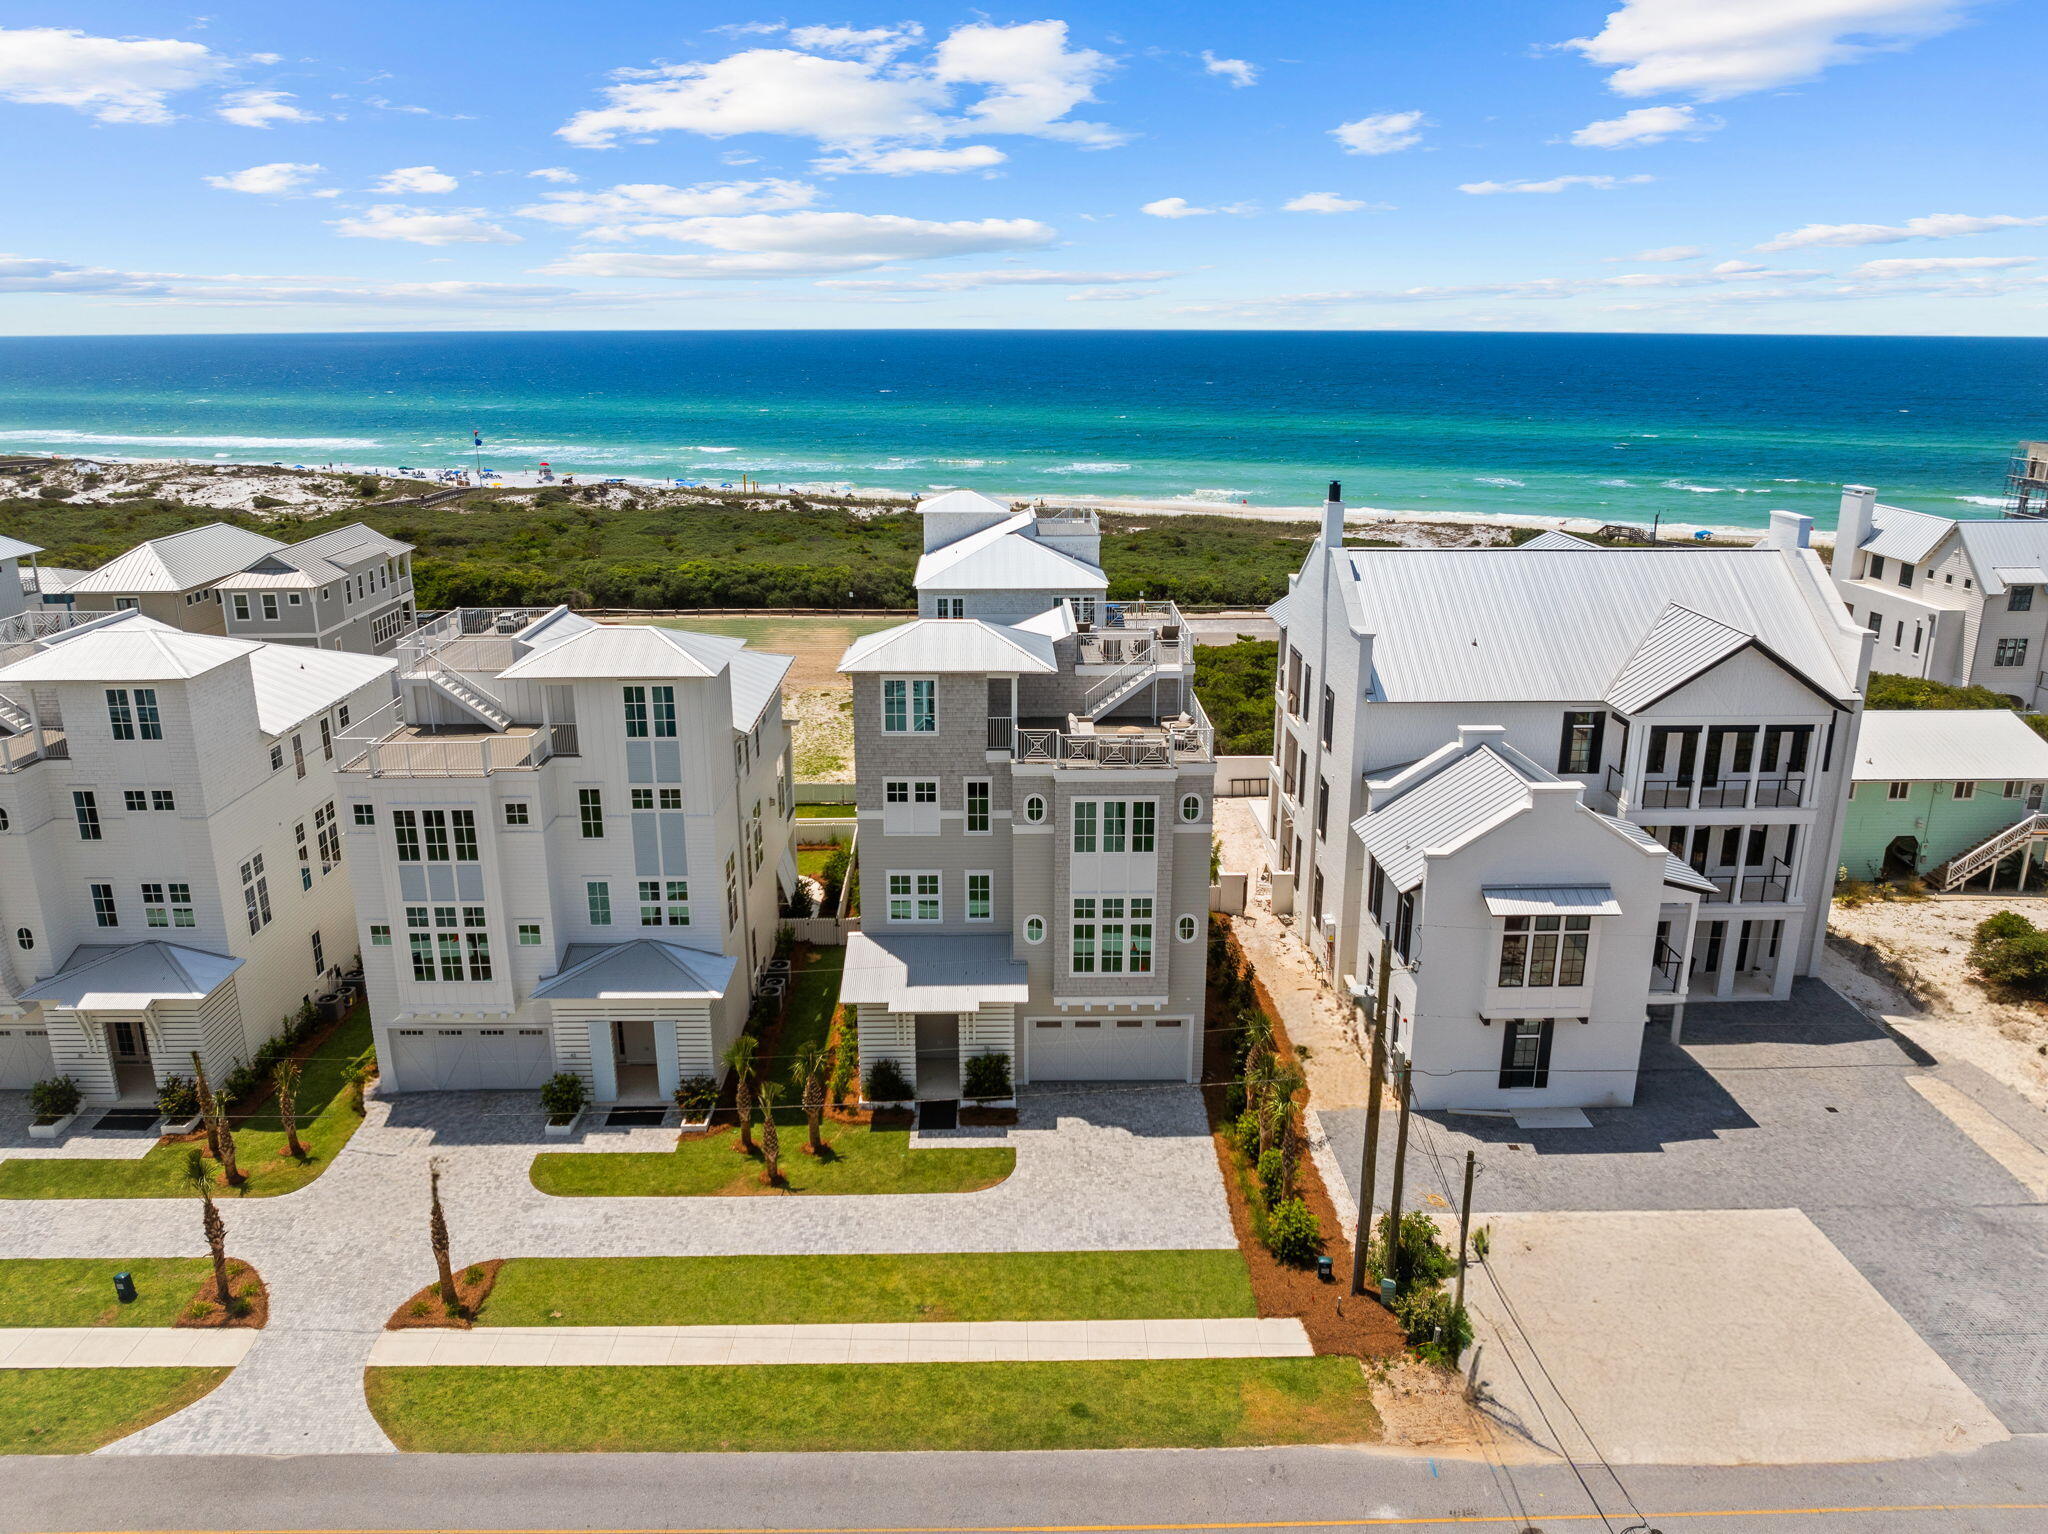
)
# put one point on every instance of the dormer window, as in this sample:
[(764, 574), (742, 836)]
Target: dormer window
[(1876, 570), (1544, 950), (2019, 599), (1906, 575)]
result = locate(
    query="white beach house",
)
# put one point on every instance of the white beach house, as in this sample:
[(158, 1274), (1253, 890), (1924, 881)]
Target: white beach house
[(570, 842), (1567, 783)]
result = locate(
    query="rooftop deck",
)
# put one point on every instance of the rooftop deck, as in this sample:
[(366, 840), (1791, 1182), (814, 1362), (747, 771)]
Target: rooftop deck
[(410, 751)]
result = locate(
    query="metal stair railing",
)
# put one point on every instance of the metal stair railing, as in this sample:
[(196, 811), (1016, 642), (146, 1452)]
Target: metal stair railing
[(1976, 859)]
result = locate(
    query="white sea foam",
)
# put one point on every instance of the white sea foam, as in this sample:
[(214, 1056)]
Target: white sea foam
[(1213, 495), (119, 438), (711, 450), (1091, 468), (1501, 480), (1979, 500), (968, 463), (1619, 484), (1679, 484)]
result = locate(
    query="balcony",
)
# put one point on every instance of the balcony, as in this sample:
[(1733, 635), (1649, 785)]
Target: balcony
[(1667, 970), (1771, 887), (1124, 633), (1084, 743), (413, 752), (1762, 791), (32, 745)]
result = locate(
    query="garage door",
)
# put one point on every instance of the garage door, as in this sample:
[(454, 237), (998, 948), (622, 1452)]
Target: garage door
[(1107, 1049), (455, 1059), (24, 1056)]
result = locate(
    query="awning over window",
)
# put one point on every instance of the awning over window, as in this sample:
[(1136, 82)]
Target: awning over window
[(1551, 900)]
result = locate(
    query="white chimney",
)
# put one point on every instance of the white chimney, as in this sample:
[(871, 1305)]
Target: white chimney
[(1859, 507), (1333, 517), (1789, 530)]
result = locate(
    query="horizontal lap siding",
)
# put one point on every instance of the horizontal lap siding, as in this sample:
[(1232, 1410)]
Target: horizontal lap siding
[(78, 1050), (991, 1030), (887, 1035)]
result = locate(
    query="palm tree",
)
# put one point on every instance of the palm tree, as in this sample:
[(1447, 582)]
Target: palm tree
[(437, 1234), (813, 1071), (217, 1130), (771, 1142), (1276, 1113), (204, 1093), (216, 1231), (1258, 1033), (288, 1105), (739, 1055)]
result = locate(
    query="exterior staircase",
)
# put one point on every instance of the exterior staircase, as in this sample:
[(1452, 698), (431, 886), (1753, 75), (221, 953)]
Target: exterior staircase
[(1988, 852), (1113, 689), (15, 717), (460, 692)]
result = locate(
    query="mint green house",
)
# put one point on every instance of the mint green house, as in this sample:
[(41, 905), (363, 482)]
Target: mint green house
[(1942, 793)]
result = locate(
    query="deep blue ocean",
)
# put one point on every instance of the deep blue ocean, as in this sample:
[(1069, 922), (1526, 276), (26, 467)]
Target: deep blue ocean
[(1703, 429)]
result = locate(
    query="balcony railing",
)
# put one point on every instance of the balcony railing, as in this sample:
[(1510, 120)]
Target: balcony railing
[(35, 745), (1766, 791), (1667, 968), (1002, 732), (1768, 888), (1158, 747), (409, 755)]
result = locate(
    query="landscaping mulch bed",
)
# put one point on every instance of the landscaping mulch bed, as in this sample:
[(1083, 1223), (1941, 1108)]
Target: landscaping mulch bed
[(252, 1301), (472, 1288)]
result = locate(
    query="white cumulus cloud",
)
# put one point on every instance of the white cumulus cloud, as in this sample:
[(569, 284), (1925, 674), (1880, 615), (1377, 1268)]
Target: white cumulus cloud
[(1645, 125), (259, 109), (1934, 226), (1382, 133), (1554, 184), (805, 243), (1714, 49), (1322, 202), (1665, 253), (281, 178), (1935, 266), (637, 202), (413, 180), (961, 282), (1180, 207), (555, 173), (423, 226), (866, 159), (1237, 71), (115, 79)]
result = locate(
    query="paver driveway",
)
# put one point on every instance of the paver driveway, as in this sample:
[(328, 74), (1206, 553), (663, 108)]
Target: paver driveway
[(1097, 1170)]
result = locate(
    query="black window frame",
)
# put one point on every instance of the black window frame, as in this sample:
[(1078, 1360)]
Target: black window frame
[(1582, 742), (1518, 1077)]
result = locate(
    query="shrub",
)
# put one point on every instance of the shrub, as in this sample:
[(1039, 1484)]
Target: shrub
[(265, 502), (240, 1081), (696, 1094), (801, 901), (1244, 1134), (1438, 1328), (842, 1072), (834, 876), (2020, 962), (178, 1098), (988, 1075), (563, 1095), (1426, 1262), (887, 1083), (1272, 1171), (54, 1096), (2003, 925), (1293, 1234)]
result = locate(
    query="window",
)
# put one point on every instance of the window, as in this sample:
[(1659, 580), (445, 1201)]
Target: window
[(1034, 809), (640, 798), (327, 830), (24, 939), (590, 806), (276, 755), (168, 905), (2014, 788), (1329, 716), (103, 912), (516, 812), (1906, 575), (1086, 814), (1322, 808), (463, 824), (134, 799), (1898, 790), (270, 605), (256, 892), (85, 809), (1034, 929), (120, 715), (636, 712), (909, 706), (529, 934), (1188, 929), (651, 710), (1876, 571), (365, 814), (478, 948), (913, 897), (977, 807), (126, 604), (380, 934), (241, 606), (1875, 622), (599, 894), (1191, 807), (4, 821), (981, 898), (1966, 791), (1544, 950), (1525, 1052), (1578, 753), (2010, 652), (405, 831), (326, 740), (952, 607), (2019, 599), (1112, 935), (434, 824), (341, 717), (319, 956), (1115, 825), (1144, 815), (299, 755), (664, 902)]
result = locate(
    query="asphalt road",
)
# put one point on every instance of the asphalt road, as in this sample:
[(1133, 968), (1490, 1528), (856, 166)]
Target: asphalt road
[(1999, 1490)]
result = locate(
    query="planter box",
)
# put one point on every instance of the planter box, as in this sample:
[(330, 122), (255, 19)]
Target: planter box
[(51, 1130), (564, 1128), (694, 1118), (176, 1127)]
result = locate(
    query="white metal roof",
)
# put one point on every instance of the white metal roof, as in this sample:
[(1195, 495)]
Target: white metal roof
[(14, 548), (756, 674), (936, 645), (295, 682), (1473, 794), (627, 650), (1950, 744), (1679, 646), (1551, 900), (1555, 540), (931, 974), (1897, 533), (127, 977), (640, 970), (315, 561), (964, 500), (1676, 870), (199, 556), (131, 650), (1476, 625), (1006, 557), (1995, 546)]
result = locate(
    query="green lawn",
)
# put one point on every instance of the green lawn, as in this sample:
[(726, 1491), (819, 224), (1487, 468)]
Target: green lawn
[(79, 1291), (861, 1160), (811, 861), (813, 996), (1194, 1403), (824, 812), (325, 1123), (767, 1291), (74, 1411)]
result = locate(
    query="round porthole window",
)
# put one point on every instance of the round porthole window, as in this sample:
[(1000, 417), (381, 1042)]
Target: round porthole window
[(1188, 928), (24, 937), (1191, 807), (1034, 808), (1034, 929)]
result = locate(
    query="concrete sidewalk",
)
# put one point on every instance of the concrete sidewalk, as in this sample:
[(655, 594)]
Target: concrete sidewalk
[(910, 1342), (124, 1347)]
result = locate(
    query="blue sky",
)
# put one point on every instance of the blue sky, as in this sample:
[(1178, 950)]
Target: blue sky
[(1823, 166)]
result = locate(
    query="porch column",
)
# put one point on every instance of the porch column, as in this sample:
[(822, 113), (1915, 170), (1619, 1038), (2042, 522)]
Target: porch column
[(1724, 973), (668, 1071), (604, 1076), (1782, 967)]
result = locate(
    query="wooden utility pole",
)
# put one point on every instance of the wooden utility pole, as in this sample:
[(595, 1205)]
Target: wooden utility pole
[(1400, 1172), (1464, 1227), (1367, 1184)]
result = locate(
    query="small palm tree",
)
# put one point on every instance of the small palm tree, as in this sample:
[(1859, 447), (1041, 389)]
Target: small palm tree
[(771, 1142), (288, 1106), (1258, 1032), (216, 1231), (740, 1057), (1276, 1111), (204, 1092), (437, 1234), (218, 1133), (813, 1072)]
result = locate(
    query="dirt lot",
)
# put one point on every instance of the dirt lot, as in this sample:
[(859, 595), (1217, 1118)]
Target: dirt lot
[(1909, 959)]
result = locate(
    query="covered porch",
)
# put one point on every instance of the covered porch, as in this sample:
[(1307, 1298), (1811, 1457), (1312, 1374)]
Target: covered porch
[(931, 1004), (122, 1018), (633, 1019)]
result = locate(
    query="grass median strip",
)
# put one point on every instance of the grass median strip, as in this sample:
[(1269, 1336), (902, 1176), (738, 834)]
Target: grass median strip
[(326, 1121), (1191, 1403), (859, 1159), (770, 1291), (79, 1291), (74, 1411)]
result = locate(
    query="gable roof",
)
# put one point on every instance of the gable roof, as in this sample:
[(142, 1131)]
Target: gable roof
[(14, 548), (330, 556), (126, 977), (931, 974), (1938, 745), (1555, 539), (756, 674), (964, 501), (1677, 871), (1488, 625), (1896, 533), (959, 645), (641, 970), (627, 650), (1006, 557), (2005, 552), (199, 556), (1679, 646), (295, 682), (1473, 794)]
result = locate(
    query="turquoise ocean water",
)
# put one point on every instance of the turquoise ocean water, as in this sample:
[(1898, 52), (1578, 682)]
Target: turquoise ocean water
[(1714, 430)]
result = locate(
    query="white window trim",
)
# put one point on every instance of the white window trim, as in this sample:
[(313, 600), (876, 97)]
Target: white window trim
[(910, 705), (966, 900), (913, 875), (988, 784), (1026, 929)]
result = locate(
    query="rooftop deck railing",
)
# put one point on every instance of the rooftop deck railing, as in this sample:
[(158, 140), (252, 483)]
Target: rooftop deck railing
[(406, 755), (1163, 744), (34, 745)]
